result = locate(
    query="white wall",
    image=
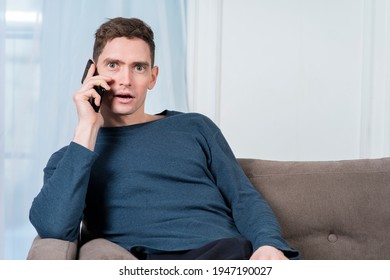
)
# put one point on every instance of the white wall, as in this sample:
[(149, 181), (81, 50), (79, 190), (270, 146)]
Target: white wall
[(293, 79)]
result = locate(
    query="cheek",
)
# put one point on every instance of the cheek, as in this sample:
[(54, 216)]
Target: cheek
[(145, 83)]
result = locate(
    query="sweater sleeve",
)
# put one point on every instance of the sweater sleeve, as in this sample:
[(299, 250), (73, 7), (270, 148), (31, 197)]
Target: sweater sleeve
[(251, 213), (57, 210)]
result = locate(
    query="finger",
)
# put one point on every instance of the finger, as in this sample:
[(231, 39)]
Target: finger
[(102, 81), (96, 98), (91, 70), (90, 83), (82, 96)]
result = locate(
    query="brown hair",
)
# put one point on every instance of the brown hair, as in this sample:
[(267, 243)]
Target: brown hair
[(123, 27)]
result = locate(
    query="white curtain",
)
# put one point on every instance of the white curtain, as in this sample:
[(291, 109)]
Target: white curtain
[(375, 100), (310, 80), (44, 45)]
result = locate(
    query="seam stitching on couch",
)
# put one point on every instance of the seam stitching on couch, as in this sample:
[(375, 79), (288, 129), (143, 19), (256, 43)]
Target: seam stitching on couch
[(315, 173)]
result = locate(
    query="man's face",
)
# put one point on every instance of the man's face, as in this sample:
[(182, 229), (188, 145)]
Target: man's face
[(128, 63)]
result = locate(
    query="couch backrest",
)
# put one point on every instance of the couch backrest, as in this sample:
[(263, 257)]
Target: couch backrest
[(331, 209)]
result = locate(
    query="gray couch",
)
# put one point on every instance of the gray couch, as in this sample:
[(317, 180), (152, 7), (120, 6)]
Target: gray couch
[(327, 210)]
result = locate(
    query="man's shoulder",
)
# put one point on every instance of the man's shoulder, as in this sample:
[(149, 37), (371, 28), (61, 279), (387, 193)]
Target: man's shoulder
[(193, 122), (190, 116)]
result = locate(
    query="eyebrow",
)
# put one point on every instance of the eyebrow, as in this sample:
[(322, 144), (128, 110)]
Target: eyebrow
[(118, 61), (112, 60)]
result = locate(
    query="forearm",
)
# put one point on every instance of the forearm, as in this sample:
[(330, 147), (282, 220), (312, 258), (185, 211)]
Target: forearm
[(260, 225), (85, 135), (57, 210)]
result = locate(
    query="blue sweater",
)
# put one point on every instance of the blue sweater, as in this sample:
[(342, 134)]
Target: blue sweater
[(171, 184)]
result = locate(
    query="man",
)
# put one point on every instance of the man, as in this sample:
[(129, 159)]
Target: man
[(161, 186)]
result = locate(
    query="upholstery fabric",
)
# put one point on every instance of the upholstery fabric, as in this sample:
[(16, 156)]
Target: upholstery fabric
[(329, 210), (102, 249), (52, 249)]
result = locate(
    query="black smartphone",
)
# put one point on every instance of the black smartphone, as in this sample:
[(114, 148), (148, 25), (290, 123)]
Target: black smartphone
[(100, 90)]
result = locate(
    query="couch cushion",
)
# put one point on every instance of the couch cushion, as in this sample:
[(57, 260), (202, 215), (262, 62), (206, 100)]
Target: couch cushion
[(330, 209)]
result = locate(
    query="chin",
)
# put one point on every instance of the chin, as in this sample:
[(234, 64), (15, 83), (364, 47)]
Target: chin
[(122, 112), (121, 109)]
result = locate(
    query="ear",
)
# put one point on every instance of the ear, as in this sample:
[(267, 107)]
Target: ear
[(154, 75)]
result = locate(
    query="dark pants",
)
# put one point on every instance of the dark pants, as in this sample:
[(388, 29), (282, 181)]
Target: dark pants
[(223, 249)]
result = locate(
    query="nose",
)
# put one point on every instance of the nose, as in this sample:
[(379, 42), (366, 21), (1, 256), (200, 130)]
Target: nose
[(125, 77)]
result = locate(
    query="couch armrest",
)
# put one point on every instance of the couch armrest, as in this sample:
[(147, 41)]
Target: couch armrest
[(102, 249), (52, 249)]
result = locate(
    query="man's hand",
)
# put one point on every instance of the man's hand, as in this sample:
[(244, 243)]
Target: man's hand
[(89, 120), (268, 253), (81, 98)]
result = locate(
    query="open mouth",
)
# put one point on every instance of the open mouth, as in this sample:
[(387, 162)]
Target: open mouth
[(123, 98)]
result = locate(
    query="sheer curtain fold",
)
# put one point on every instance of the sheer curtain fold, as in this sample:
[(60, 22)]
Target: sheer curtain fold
[(45, 60), (375, 93), (2, 123)]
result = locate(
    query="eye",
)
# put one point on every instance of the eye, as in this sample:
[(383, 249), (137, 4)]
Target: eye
[(140, 68), (111, 65)]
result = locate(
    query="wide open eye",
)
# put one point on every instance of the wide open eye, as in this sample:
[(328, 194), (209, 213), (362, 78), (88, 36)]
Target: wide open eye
[(140, 68), (112, 65)]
